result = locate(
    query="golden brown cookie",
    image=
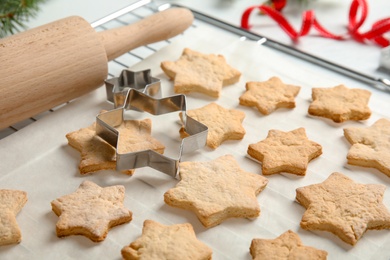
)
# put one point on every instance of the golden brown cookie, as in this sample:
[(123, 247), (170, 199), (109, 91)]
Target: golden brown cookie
[(11, 202), (96, 154), (343, 207), (288, 152), (91, 211), (267, 96), (216, 190), (287, 246), (198, 72), (340, 103), (223, 124), (370, 146), (135, 135), (159, 241)]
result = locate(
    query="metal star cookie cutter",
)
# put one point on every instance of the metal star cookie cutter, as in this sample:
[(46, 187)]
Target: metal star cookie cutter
[(136, 99)]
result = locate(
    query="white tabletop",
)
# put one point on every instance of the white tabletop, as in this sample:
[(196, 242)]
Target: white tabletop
[(332, 14)]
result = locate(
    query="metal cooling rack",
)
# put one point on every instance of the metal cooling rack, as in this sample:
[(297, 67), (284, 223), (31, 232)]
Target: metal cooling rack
[(144, 8)]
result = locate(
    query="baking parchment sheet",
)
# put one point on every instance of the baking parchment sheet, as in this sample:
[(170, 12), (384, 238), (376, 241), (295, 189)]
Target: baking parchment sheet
[(38, 160)]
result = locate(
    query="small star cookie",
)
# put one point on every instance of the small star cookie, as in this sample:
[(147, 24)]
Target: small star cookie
[(285, 152), (267, 96), (343, 207), (198, 72), (370, 146), (159, 241), (340, 103), (97, 154), (91, 211), (287, 246), (11, 202), (216, 190), (223, 124)]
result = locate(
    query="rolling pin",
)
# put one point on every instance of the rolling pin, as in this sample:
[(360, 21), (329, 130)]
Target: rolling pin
[(57, 62)]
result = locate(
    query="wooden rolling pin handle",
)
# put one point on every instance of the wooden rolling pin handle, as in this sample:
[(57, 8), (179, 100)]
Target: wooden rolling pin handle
[(160, 26), (57, 62)]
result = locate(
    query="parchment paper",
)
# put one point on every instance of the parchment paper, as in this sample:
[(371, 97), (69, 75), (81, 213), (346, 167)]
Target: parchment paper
[(38, 160)]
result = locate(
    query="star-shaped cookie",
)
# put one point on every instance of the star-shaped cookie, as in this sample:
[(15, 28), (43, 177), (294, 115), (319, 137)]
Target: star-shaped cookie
[(11, 202), (217, 190), (198, 72), (343, 207), (287, 246), (91, 211), (370, 146), (267, 96), (288, 152), (340, 103), (135, 135), (159, 241), (224, 124), (96, 154)]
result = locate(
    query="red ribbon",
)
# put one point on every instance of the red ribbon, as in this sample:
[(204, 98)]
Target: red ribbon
[(309, 20)]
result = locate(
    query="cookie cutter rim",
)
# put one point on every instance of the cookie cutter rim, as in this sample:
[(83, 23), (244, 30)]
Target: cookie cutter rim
[(136, 99)]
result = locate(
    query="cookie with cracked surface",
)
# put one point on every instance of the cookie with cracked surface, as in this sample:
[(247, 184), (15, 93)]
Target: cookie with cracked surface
[(223, 124), (287, 246), (288, 152), (91, 211), (343, 207), (217, 190), (370, 146), (160, 241), (11, 202), (267, 96), (198, 72), (340, 103)]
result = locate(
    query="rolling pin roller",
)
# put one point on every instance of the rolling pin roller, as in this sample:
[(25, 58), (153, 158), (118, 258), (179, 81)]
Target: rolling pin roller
[(54, 63)]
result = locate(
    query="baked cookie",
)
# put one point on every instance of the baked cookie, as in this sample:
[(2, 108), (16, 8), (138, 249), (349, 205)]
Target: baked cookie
[(198, 72), (343, 207), (267, 96), (287, 246), (223, 124), (288, 152), (370, 146), (91, 211), (11, 202), (172, 242), (216, 190), (340, 103), (97, 154)]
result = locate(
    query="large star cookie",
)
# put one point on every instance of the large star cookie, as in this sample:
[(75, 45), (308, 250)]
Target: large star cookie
[(91, 211), (287, 246), (285, 152), (217, 190), (340, 103), (11, 202), (370, 146), (343, 207), (267, 96), (223, 124), (167, 242), (198, 72)]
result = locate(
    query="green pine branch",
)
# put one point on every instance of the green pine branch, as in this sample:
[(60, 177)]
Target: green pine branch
[(15, 13)]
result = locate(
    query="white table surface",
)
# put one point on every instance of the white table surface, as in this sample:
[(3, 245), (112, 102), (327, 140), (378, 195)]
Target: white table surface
[(332, 14)]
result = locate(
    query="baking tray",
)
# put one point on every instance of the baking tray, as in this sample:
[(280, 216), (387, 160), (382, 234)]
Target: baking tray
[(38, 160)]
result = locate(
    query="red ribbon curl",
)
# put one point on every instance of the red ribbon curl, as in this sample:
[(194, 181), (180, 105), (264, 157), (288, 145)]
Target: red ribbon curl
[(309, 20)]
